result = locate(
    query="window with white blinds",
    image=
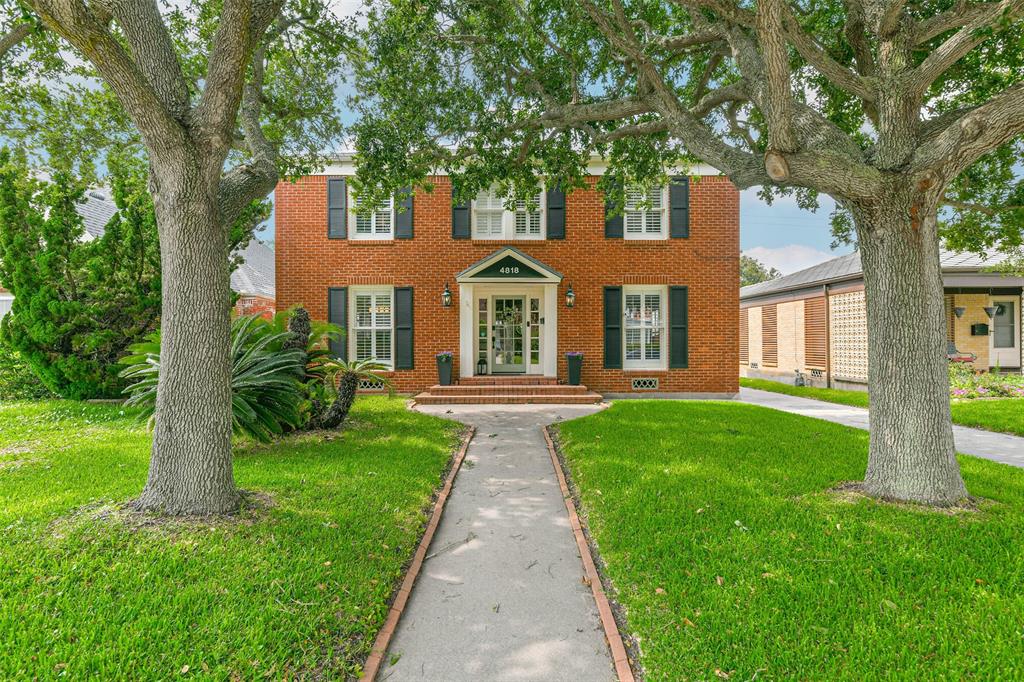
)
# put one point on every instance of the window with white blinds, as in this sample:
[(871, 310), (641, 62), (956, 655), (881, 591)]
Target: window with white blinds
[(492, 221), (644, 215), (371, 332), (644, 327), (376, 224)]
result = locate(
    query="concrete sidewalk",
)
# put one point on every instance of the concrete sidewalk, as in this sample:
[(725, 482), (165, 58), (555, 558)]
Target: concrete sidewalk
[(500, 595), (999, 447)]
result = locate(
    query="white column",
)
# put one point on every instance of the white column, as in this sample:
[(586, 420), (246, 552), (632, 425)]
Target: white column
[(550, 360), (467, 354)]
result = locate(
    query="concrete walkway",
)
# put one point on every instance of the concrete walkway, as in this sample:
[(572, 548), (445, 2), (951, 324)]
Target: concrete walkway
[(999, 447), (501, 595)]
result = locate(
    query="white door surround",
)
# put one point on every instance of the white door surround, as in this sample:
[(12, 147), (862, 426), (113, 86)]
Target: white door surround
[(1005, 336), (504, 276)]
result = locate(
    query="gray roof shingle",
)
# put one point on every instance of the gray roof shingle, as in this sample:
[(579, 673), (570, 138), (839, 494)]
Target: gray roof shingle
[(96, 209), (255, 275), (848, 267)]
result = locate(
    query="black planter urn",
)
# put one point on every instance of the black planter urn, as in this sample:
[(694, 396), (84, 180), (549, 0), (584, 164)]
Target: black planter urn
[(575, 362), (444, 370)]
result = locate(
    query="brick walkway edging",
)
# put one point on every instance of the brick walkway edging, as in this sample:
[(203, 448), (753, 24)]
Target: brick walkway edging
[(611, 630), (380, 645)]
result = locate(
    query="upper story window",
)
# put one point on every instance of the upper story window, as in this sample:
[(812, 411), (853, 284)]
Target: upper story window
[(376, 224), (644, 327), (372, 337), (492, 221), (644, 215)]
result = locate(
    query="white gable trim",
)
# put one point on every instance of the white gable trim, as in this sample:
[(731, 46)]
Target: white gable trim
[(548, 276)]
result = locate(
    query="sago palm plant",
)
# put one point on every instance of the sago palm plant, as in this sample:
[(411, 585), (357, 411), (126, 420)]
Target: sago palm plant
[(339, 386), (266, 392)]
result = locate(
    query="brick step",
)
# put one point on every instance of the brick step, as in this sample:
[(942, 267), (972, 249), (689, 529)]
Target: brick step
[(507, 389), (491, 399), (513, 379)]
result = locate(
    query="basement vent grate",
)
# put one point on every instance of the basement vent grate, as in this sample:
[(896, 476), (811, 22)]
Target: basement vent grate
[(371, 385), (817, 373), (646, 384)]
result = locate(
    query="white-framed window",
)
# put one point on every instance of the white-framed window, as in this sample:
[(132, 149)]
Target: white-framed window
[(376, 224), (644, 216), (371, 334), (492, 221), (644, 343)]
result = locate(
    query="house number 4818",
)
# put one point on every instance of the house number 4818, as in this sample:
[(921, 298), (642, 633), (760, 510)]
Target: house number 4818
[(509, 270)]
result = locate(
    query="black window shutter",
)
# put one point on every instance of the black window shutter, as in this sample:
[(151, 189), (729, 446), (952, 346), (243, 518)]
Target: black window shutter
[(679, 208), (460, 220), (678, 333), (556, 213), (337, 223), (403, 216), (613, 327), (612, 224), (403, 328), (337, 313)]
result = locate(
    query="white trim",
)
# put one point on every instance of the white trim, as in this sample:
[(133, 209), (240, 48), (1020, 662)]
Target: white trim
[(1005, 357), (642, 290), (467, 330), (547, 274), (353, 293), (6, 302), (353, 219), (344, 164)]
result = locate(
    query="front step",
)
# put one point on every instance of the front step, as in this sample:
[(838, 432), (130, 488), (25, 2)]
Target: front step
[(506, 389), (587, 398), (511, 380)]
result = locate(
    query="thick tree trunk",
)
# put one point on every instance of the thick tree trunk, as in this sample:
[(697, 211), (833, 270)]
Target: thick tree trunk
[(190, 472), (911, 454)]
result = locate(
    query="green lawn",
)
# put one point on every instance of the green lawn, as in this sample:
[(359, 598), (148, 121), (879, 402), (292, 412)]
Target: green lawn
[(1005, 415), (728, 555), (299, 591)]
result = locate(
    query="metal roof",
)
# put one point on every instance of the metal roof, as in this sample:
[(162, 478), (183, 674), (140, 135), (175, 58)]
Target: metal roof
[(848, 267)]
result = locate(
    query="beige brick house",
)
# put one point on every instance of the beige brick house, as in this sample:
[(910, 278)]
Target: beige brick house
[(814, 322)]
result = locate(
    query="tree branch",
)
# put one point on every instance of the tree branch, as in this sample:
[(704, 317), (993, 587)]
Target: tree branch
[(828, 67), (961, 43), (13, 38)]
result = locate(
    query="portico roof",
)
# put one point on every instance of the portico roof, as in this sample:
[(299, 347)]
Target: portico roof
[(509, 264)]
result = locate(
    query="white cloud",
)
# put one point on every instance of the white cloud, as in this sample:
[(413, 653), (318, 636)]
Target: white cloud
[(789, 258)]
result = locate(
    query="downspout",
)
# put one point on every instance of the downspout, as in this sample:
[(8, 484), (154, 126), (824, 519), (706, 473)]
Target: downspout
[(828, 339)]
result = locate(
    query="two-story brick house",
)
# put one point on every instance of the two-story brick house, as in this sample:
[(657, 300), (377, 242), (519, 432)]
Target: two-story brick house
[(649, 295)]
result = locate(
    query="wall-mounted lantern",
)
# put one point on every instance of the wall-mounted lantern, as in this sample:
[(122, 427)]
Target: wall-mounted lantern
[(570, 297), (959, 311), (446, 296), (990, 310)]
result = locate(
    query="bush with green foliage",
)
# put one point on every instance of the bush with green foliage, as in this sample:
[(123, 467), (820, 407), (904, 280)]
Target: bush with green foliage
[(266, 394), (78, 304), (966, 384), (17, 382)]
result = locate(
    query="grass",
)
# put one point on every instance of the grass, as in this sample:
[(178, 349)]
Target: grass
[(730, 558), (1005, 415), (297, 591)]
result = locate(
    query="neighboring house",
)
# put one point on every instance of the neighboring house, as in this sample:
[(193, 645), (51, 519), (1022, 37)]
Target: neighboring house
[(647, 296), (815, 321), (253, 280)]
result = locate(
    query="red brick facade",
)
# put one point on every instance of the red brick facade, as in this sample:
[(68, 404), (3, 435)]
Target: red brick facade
[(308, 263), (255, 305)]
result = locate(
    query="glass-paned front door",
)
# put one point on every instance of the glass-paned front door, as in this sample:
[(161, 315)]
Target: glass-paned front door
[(507, 342), (1005, 334)]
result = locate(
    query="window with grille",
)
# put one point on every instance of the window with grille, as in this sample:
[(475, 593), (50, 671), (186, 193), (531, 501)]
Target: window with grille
[(376, 224), (644, 215), (492, 221), (644, 327), (372, 326)]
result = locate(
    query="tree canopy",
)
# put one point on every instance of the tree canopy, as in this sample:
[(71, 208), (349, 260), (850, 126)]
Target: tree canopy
[(753, 271)]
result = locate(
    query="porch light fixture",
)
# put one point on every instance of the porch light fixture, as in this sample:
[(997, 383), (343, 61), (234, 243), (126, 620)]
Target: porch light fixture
[(990, 310), (570, 297), (446, 296), (959, 311)]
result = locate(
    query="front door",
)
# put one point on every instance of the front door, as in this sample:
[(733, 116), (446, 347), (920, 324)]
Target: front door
[(507, 341), (1005, 333)]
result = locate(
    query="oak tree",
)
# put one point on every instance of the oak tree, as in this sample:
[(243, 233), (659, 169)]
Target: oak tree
[(895, 109), (227, 96)]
